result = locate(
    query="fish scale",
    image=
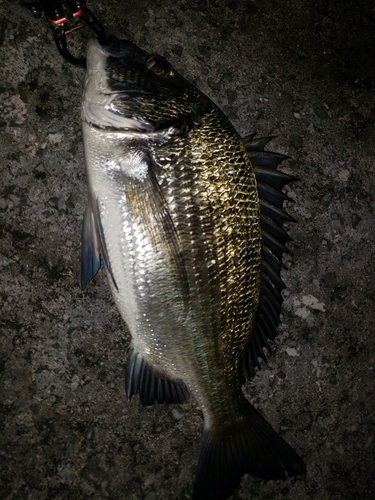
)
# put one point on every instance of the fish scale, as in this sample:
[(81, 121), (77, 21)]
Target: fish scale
[(175, 214), (201, 212), (232, 272)]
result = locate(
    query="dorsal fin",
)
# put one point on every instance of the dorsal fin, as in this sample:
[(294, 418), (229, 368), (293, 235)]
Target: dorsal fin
[(272, 215)]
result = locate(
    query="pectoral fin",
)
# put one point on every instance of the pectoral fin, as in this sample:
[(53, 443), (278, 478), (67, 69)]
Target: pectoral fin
[(169, 232), (149, 206)]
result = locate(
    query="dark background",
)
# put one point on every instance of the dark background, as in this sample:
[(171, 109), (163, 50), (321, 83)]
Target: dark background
[(302, 70)]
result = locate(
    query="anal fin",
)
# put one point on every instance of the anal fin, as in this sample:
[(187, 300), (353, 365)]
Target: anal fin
[(151, 386)]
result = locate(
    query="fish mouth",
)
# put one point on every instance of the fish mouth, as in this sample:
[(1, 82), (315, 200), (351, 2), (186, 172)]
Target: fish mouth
[(96, 57), (114, 47), (95, 53), (111, 46)]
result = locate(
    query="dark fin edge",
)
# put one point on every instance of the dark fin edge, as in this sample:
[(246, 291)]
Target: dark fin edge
[(151, 386), (270, 184), (250, 446)]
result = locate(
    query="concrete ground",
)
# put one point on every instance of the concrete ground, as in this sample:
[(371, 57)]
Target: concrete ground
[(302, 70)]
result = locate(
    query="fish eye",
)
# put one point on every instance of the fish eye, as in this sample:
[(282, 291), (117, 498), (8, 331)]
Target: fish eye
[(157, 65)]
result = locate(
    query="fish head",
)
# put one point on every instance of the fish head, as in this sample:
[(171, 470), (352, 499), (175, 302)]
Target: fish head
[(128, 88)]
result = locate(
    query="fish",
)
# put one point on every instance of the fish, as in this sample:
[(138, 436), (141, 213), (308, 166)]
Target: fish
[(187, 218)]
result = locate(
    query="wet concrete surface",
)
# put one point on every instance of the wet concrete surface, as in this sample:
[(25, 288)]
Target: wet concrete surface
[(301, 70)]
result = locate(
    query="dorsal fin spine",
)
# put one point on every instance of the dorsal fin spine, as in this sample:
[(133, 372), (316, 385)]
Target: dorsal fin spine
[(270, 183)]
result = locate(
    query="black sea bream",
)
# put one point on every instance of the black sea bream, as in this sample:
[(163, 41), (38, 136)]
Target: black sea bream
[(187, 217)]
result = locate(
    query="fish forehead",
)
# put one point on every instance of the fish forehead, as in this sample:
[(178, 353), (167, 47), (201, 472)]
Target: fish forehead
[(108, 66), (122, 50), (122, 68)]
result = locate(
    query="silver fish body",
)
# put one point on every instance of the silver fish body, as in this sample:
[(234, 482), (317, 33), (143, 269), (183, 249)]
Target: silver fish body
[(175, 214)]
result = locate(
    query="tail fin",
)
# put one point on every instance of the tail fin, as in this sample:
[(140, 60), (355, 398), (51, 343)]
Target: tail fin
[(249, 446)]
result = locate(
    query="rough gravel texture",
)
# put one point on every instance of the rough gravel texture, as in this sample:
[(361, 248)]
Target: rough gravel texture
[(302, 70)]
